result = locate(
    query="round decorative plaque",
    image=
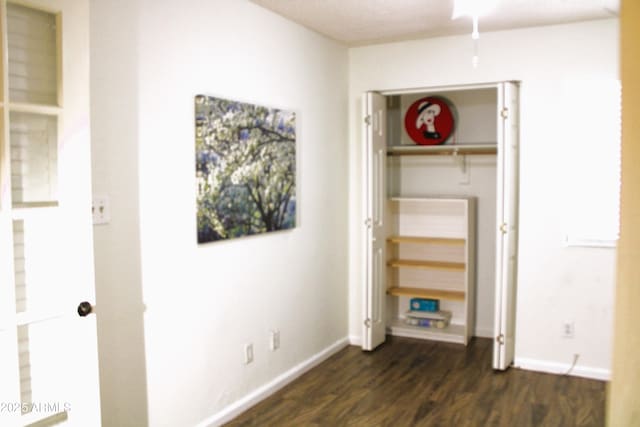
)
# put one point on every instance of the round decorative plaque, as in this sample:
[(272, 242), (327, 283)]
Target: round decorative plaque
[(429, 121)]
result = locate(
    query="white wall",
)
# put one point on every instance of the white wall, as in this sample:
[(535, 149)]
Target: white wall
[(203, 303), (114, 147), (555, 283)]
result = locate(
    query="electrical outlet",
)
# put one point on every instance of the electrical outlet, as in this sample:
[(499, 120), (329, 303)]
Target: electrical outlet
[(275, 340), (568, 329), (248, 353)]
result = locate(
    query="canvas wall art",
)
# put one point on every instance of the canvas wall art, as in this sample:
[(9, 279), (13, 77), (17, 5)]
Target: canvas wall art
[(245, 169)]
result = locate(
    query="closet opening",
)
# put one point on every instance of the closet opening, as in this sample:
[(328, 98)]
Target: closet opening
[(440, 203)]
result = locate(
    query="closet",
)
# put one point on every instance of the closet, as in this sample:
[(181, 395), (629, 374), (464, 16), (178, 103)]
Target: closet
[(440, 216)]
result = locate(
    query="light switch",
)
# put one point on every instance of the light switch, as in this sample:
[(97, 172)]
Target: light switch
[(100, 210)]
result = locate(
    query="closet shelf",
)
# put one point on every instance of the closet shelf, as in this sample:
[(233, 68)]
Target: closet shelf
[(452, 333), (441, 150), (427, 265), (21, 107), (427, 293), (426, 240)]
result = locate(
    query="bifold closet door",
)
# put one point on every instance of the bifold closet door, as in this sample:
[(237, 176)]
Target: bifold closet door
[(48, 353), (374, 155), (507, 226)]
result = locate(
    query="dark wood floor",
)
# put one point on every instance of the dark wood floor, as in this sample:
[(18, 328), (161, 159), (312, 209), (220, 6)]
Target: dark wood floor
[(409, 382)]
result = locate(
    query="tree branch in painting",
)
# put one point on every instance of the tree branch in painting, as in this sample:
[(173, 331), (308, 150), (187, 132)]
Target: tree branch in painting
[(245, 169)]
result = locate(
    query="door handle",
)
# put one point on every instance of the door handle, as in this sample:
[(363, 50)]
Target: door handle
[(84, 309)]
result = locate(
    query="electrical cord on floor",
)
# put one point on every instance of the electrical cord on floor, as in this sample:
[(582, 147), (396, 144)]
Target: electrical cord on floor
[(573, 365)]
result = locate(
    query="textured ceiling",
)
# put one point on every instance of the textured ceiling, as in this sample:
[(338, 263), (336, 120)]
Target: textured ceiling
[(360, 22)]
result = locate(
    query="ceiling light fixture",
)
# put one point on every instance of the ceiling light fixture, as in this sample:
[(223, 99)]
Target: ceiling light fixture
[(474, 9)]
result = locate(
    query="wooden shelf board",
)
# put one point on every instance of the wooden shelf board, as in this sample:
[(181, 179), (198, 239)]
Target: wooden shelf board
[(452, 333), (427, 293), (441, 150), (427, 240), (427, 265)]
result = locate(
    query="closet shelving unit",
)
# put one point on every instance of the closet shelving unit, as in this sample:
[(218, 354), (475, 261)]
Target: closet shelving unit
[(416, 292), (431, 255)]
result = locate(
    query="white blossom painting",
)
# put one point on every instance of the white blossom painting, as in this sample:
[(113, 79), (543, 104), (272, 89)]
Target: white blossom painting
[(245, 169)]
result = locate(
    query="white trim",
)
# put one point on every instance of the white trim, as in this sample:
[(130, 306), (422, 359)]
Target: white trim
[(483, 332), (355, 340), (433, 89), (590, 242), (562, 368), (233, 410)]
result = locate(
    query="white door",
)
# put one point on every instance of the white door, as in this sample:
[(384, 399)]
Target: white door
[(48, 353), (507, 226), (374, 155)]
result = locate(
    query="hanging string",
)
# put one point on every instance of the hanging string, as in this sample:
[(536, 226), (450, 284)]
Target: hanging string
[(475, 35)]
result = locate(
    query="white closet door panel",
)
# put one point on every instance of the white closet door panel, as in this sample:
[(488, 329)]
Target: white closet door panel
[(374, 161), (507, 230)]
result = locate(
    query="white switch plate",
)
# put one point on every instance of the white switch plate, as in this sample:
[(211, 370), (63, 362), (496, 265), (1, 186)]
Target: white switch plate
[(248, 353), (568, 329), (100, 210), (275, 340)]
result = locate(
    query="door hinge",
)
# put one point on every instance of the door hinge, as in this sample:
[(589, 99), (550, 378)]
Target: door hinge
[(500, 339), (368, 223), (504, 228), (504, 113), (367, 323), (367, 119)]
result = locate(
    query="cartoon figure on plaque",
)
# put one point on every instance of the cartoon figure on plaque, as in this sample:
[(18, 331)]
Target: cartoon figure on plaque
[(427, 113), (430, 121)]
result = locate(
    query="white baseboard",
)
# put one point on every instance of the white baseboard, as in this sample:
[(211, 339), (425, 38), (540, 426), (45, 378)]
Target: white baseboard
[(261, 393), (562, 368), (479, 332), (355, 340)]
